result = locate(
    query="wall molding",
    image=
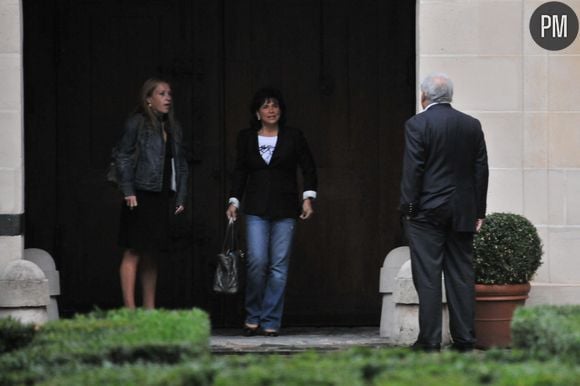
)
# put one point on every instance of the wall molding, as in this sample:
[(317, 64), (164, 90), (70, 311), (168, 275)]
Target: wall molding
[(11, 224)]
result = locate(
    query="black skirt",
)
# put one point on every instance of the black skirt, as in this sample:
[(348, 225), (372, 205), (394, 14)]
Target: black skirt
[(146, 228)]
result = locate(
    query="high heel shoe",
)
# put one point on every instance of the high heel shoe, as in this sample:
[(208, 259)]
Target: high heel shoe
[(251, 331)]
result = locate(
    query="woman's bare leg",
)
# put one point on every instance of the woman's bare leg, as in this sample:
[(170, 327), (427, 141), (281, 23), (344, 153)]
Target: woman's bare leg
[(128, 273), (148, 280)]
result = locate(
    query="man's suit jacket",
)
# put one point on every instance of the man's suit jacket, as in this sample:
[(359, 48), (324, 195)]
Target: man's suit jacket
[(271, 190), (445, 164)]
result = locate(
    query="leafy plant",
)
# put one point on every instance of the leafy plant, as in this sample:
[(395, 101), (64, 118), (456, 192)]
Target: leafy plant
[(507, 250), (14, 335), (103, 339), (548, 331)]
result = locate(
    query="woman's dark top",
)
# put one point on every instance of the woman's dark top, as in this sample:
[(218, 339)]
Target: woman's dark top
[(146, 227), (271, 190), (140, 153)]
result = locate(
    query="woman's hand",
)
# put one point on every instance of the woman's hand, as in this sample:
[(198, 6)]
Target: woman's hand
[(179, 209), (307, 210), (131, 201), (232, 212)]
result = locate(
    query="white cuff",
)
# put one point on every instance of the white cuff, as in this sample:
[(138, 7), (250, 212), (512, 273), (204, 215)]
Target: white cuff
[(309, 194), (234, 201)]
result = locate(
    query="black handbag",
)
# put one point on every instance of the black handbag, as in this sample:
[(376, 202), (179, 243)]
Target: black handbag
[(229, 264), (111, 174)]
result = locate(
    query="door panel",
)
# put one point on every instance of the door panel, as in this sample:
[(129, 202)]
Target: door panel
[(346, 69), (105, 50), (333, 60)]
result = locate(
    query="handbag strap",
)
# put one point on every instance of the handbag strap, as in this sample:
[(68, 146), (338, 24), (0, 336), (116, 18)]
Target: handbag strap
[(229, 237)]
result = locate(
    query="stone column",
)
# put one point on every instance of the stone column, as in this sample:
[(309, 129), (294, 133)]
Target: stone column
[(11, 145), (22, 285)]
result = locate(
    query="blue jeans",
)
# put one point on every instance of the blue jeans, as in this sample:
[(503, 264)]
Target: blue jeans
[(269, 244)]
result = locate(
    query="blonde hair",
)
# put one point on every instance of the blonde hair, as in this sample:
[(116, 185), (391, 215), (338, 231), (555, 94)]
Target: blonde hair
[(147, 90)]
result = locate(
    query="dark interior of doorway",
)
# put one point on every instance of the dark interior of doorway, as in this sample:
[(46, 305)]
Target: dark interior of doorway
[(347, 69)]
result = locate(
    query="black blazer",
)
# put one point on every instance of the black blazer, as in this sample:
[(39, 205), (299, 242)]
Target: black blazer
[(445, 163), (271, 190)]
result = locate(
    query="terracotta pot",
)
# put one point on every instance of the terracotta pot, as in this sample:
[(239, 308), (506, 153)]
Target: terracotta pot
[(494, 308)]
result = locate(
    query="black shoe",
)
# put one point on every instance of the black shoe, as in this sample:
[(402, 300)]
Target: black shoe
[(270, 333), (462, 347), (251, 331), (419, 346)]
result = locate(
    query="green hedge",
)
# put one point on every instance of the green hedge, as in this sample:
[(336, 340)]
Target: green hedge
[(128, 335), (354, 367), (106, 339), (14, 335), (548, 331), (198, 374), (395, 367), (151, 348)]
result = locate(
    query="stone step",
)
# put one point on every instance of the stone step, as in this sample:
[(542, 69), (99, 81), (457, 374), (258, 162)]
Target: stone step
[(295, 340)]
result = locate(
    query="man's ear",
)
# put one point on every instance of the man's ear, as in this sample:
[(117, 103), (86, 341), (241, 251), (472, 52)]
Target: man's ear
[(423, 99)]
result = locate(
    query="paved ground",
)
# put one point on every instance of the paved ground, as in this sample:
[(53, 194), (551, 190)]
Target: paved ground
[(293, 340)]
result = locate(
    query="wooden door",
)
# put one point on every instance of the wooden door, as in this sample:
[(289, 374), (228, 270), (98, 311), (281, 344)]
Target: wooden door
[(102, 53), (347, 71)]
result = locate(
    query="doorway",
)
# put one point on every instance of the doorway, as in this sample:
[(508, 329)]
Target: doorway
[(347, 70)]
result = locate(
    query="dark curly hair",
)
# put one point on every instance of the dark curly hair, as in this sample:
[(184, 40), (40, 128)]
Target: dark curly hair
[(262, 96)]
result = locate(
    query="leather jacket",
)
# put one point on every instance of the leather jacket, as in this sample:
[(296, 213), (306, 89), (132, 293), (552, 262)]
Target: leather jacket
[(140, 158)]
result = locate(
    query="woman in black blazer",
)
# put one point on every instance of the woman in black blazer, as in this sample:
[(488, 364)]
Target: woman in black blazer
[(268, 156)]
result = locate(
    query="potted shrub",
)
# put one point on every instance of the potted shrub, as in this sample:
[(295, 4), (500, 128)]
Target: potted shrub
[(507, 254)]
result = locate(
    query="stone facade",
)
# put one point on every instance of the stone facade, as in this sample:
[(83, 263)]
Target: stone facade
[(11, 117), (23, 287), (527, 100)]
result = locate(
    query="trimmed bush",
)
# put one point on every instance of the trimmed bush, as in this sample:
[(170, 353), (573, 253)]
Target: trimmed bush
[(127, 336), (548, 331), (108, 338), (355, 367), (394, 367), (170, 348), (14, 335), (194, 374), (507, 250)]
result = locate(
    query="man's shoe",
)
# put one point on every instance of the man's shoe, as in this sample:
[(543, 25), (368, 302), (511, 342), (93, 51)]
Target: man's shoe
[(462, 347), (418, 346)]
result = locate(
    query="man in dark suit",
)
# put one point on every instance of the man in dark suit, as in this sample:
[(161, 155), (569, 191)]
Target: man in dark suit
[(443, 202)]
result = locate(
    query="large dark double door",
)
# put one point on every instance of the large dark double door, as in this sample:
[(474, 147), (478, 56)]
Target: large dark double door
[(347, 71)]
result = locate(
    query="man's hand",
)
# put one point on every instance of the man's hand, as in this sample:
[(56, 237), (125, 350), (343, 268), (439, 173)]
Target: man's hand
[(478, 224), (409, 210)]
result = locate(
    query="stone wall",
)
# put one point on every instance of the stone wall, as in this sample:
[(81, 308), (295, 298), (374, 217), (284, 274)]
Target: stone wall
[(24, 290), (527, 100), (525, 96), (11, 128)]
